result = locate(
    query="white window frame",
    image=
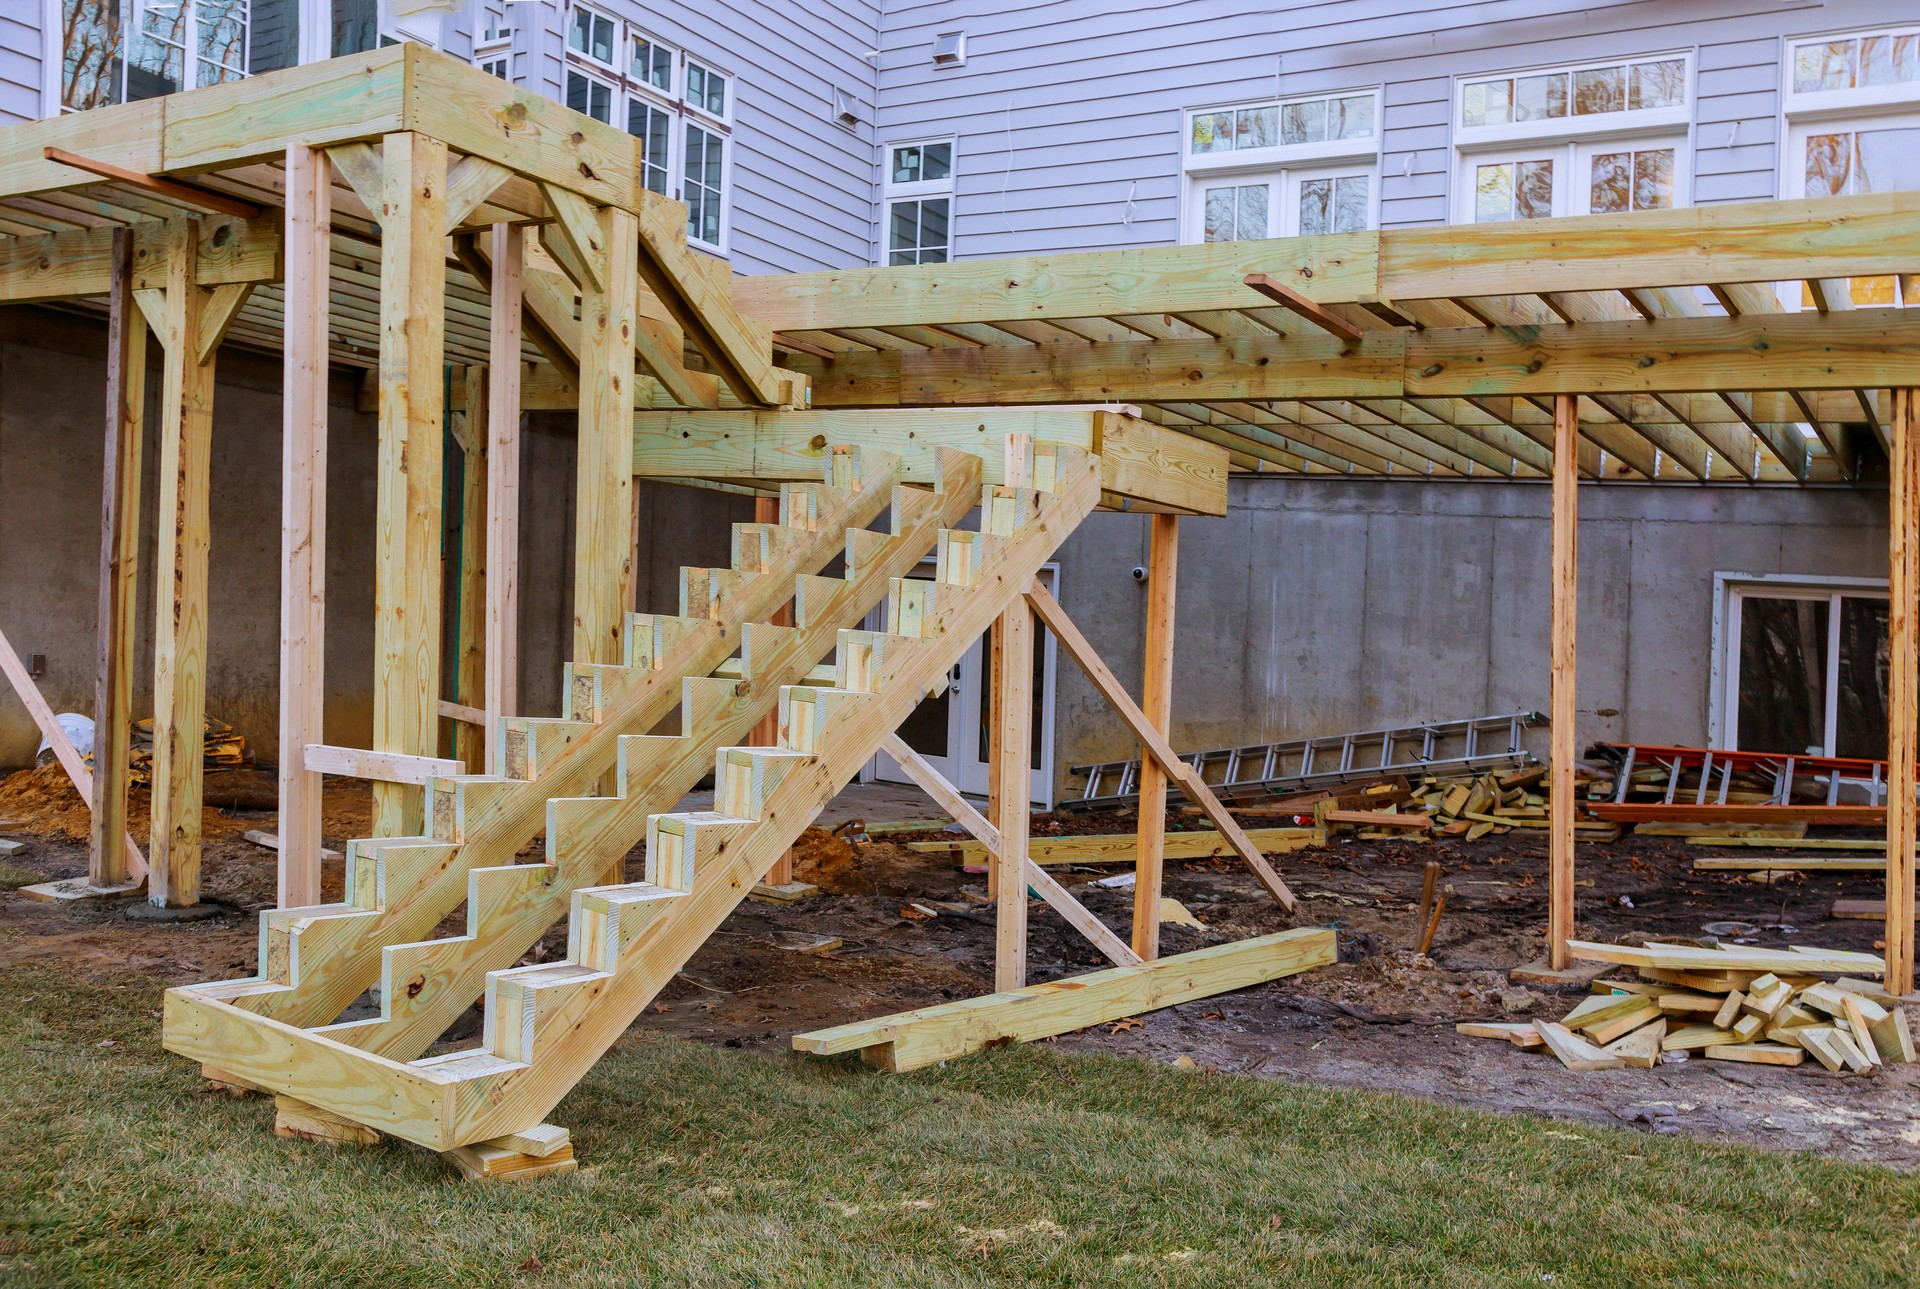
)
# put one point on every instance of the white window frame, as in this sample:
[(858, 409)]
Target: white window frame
[(588, 71), (1723, 683), (1281, 167), (687, 62), (668, 94), (493, 49), (1572, 169), (918, 190), (615, 65), (1804, 114), (53, 65), (679, 174)]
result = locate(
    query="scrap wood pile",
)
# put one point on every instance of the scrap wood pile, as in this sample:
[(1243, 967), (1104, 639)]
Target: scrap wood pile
[(1761, 1006), (1472, 807), (225, 749)]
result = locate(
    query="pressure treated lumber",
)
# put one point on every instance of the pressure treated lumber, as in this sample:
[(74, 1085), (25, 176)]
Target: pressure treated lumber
[(1178, 771), (1156, 705), (180, 581), (1012, 714), (469, 431), (915, 1039), (120, 493), (1120, 848), (1143, 466), (1790, 863), (506, 251), (303, 517), (1903, 649), (380, 767), (603, 483), (1676, 957), (1561, 696), (406, 595), (79, 262)]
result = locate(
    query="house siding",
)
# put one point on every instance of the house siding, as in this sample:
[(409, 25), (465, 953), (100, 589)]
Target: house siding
[(21, 68), (1065, 110)]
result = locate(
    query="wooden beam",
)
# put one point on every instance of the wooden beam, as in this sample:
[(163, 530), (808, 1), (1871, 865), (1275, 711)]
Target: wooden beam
[(120, 493), (69, 757), (602, 563), (1123, 848), (1013, 714), (1156, 705), (935, 785), (912, 1040), (696, 296), (1566, 563), (1143, 466), (380, 767), (303, 518), (79, 262), (180, 585), (407, 603), (1153, 281), (1178, 771), (1303, 306), (470, 671), (1903, 648), (470, 181), (187, 194), (503, 488)]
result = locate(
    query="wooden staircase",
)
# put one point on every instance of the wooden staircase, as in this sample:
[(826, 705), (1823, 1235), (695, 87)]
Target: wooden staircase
[(546, 1025), (317, 960)]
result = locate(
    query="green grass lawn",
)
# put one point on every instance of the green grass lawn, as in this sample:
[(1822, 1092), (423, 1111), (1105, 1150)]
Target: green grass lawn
[(707, 1166)]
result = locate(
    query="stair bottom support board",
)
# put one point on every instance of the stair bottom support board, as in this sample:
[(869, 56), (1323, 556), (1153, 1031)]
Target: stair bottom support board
[(489, 1161), (930, 1035)]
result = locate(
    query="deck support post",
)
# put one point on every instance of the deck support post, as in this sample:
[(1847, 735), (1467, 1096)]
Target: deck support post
[(1903, 741), (108, 866), (766, 510), (180, 581), (602, 566), (506, 246), (1013, 703), (1156, 701), (407, 567), (303, 519), (469, 664), (1566, 560)]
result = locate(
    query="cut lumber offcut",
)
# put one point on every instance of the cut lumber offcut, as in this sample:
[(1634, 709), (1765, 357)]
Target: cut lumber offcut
[(1694, 1038), (495, 1161), (1758, 1053), (1379, 819), (1605, 1029), (1860, 1030), (1767, 995), (1763, 841), (1687, 1003), (1684, 958), (1640, 1048), (1859, 910), (912, 1040), (1717, 833), (1866, 989), (1575, 1053), (1893, 1039), (1519, 1033), (1748, 1026), (1729, 1008), (1818, 1039), (1119, 848), (1789, 864), (302, 1122)]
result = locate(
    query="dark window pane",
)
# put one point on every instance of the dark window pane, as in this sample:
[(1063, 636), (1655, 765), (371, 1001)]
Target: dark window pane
[(939, 161), (1783, 675), (933, 222), (1862, 708)]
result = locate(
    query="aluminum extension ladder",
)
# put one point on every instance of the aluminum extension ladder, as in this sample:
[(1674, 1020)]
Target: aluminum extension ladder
[(1299, 765)]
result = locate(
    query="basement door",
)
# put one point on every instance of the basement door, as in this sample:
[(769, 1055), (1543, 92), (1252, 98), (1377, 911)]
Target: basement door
[(950, 728), (1805, 667)]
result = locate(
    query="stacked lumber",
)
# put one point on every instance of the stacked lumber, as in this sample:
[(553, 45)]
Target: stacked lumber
[(225, 749), (1759, 1006), (1496, 803)]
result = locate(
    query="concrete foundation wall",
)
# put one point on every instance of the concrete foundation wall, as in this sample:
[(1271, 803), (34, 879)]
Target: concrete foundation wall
[(52, 410), (1326, 606)]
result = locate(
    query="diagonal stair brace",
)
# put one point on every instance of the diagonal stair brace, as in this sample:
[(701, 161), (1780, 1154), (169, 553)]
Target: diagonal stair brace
[(427, 984), (547, 1025), (314, 961)]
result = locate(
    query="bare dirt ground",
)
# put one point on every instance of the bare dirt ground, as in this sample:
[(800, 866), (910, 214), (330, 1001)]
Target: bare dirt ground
[(1381, 1019)]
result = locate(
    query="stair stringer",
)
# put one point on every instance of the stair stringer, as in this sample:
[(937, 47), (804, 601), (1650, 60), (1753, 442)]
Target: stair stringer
[(343, 948), (427, 984)]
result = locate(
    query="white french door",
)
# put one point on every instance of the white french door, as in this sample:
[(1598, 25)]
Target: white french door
[(949, 729)]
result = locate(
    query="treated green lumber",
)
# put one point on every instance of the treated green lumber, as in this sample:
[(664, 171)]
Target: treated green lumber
[(58, 266), (1877, 844), (1792, 863), (1143, 466), (912, 1040), (1150, 280), (1119, 848), (1751, 242)]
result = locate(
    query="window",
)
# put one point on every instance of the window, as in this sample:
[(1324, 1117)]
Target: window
[(704, 184), (120, 51), (492, 44), (1282, 169), (592, 36), (651, 64), (1603, 138), (1803, 666), (919, 192), (653, 126), (706, 90), (589, 95), (1853, 126), (495, 65)]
